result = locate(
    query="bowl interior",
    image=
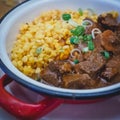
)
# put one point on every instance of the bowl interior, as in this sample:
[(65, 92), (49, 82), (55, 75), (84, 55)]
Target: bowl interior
[(26, 12)]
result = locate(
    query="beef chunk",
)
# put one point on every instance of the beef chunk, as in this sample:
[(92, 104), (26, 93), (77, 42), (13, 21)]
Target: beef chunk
[(60, 67), (97, 42), (100, 82), (89, 29), (93, 64), (77, 81), (54, 66), (86, 70), (109, 41), (87, 55), (109, 73), (77, 69), (49, 77), (108, 21), (112, 68), (118, 34), (116, 79)]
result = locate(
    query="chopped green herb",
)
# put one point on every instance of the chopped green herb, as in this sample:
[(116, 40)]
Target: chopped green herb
[(106, 54), (76, 61), (80, 11), (39, 50), (66, 17), (87, 37), (81, 37), (74, 40), (79, 30), (91, 45)]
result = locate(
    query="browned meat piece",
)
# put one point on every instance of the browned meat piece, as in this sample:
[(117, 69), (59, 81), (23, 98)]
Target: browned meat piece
[(108, 21), (97, 41), (101, 83), (89, 29), (77, 69), (77, 81), (116, 79), (109, 73), (87, 55), (109, 40), (92, 65), (54, 66), (93, 25), (91, 69), (60, 67), (112, 68), (49, 77), (66, 67), (117, 33)]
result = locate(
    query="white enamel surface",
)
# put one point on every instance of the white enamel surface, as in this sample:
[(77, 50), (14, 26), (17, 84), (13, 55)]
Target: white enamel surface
[(31, 9)]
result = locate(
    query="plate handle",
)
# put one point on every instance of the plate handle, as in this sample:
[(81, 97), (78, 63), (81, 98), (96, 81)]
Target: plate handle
[(22, 110)]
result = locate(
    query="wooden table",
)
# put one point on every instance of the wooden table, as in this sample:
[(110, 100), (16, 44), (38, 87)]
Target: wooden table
[(4, 8)]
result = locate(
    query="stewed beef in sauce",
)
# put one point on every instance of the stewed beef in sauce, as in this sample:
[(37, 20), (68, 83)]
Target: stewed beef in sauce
[(108, 22), (96, 68)]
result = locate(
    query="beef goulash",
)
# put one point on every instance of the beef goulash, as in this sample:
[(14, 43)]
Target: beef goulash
[(84, 52)]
